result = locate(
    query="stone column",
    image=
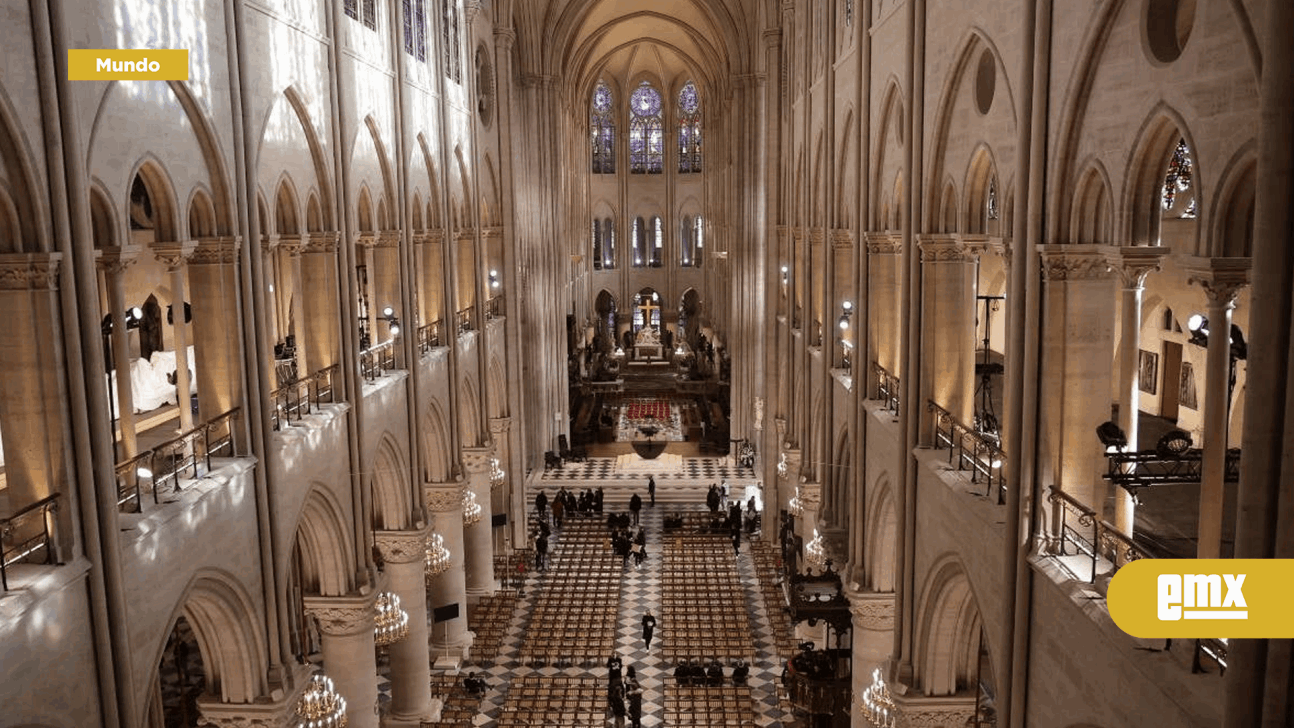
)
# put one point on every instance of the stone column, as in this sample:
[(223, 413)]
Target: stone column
[(269, 244), (32, 394), (349, 655), (174, 256), (113, 262), (384, 281), (319, 310), (476, 536), (445, 505), (883, 329), (217, 339), (294, 246), (873, 622), (1077, 363), (405, 553), (509, 496), (1221, 279), (1136, 263), (948, 321)]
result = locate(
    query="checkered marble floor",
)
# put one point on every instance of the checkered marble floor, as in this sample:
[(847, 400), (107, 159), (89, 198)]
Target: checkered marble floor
[(706, 470), (640, 591)]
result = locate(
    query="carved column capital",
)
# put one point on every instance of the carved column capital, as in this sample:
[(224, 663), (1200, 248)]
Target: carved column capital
[(500, 425), (946, 249), (443, 497), (842, 238), (476, 460), (1138, 261), (780, 424), (365, 239), (872, 611), (292, 244), (817, 236), (505, 38), (810, 495), (343, 616), (216, 251), (30, 271), (116, 260), (884, 244), (1078, 262), (268, 242), (919, 711), (174, 255), (1221, 278), (325, 242), (387, 239), (402, 547)]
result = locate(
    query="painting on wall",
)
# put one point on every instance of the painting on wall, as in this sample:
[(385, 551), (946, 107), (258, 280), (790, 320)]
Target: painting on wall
[(1148, 372), (1187, 392)]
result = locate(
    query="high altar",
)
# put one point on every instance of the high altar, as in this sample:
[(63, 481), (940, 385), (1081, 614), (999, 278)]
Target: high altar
[(647, 345)]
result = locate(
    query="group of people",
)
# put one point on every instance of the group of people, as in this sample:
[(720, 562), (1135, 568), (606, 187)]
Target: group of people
[(626, 543), (696, 674), (624, 694), (589, 501)]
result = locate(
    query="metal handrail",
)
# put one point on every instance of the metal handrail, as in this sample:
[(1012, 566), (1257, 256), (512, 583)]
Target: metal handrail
[(302, 397), (970, 450), (465, 319), (429, 337), (494, 308), (1064, 504), (14, 553), (887, 387), (1118, 547), (189, 453), (376, 360)]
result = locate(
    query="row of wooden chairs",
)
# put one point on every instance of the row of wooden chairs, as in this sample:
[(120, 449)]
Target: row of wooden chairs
[(697, 706), (574, 619), (557, 701), (702, 601), (767, 559)]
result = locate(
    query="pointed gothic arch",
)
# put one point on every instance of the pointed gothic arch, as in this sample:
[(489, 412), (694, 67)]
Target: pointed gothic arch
[(392, 509)]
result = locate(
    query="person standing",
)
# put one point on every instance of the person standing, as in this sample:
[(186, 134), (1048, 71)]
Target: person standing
[(649, 627), (635, 694), (541, 505), (736, 541), (617, 700), (651, 488), (559, 509), (541, 551), (635, 505)]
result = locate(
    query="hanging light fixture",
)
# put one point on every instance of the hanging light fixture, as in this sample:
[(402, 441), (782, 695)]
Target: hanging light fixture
[(437, 559), (877, 706), (320, 706), (392, 623), (815, 551), (471, 510), (497, 476)]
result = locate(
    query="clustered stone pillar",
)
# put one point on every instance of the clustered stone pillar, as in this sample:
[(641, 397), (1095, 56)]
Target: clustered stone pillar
[(1077, 361), (318, 295), (174, 256), (384, 278), (349, 653), (217, 340), (883, 303), (502, 495), (113, 262), (1136, 263), (948, 318), (31, 383), (445, 505), (1221, 279), (405, 555), (477, 537)]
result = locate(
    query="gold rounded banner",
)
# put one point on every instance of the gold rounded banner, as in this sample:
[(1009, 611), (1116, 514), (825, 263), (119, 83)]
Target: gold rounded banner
[(1204, 598), (153, 64)]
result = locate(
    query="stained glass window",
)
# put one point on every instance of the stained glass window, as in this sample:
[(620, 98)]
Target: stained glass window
[(849, 12), (352, 8), (415, 29), (602, 131), (638, 242), (992, 198), (450, 41), (646, 132), (597, 244), (370, 14), (1179, 177), (658, 238), (689, 129), (698, 240)]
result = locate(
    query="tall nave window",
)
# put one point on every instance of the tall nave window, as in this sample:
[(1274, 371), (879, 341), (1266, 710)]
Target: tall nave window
[(689, 129), (602, 130), (604, 244), (415, 29), (451, 41), (646, 133), (369, 17)]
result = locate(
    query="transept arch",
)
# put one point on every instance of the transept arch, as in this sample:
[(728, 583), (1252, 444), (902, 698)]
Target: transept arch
[(202, 216), (1232, 233), (285, 208), (889, 144), (982, 183), (156, 209)]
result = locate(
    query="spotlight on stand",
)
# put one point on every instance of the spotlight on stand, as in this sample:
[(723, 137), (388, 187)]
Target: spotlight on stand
[(392, 321), (846, 313), (1199, 328), (1112, 437), (494, 279), (786, 275)]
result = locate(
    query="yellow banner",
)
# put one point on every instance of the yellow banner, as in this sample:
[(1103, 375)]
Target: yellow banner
[(85, 64), (1198, 598)]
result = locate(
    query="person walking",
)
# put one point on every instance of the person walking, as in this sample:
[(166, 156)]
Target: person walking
[(736, 541), (649, 627), (541, 505), (651, 488), (541, 552), (617, 700), (635, 694), (635, 505), (559, 509)]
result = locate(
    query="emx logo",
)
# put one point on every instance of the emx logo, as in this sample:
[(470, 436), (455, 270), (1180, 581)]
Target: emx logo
[(1196, 598)]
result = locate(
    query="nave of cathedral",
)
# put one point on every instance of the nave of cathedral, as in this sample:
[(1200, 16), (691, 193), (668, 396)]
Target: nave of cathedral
[(980, 301)]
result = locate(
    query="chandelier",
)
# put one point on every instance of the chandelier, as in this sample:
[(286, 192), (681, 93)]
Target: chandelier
[(782, 466), (471, 509), (392, 622), (497, 475), (877, 707), (320, 706), (437, 559), (815, 551)]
